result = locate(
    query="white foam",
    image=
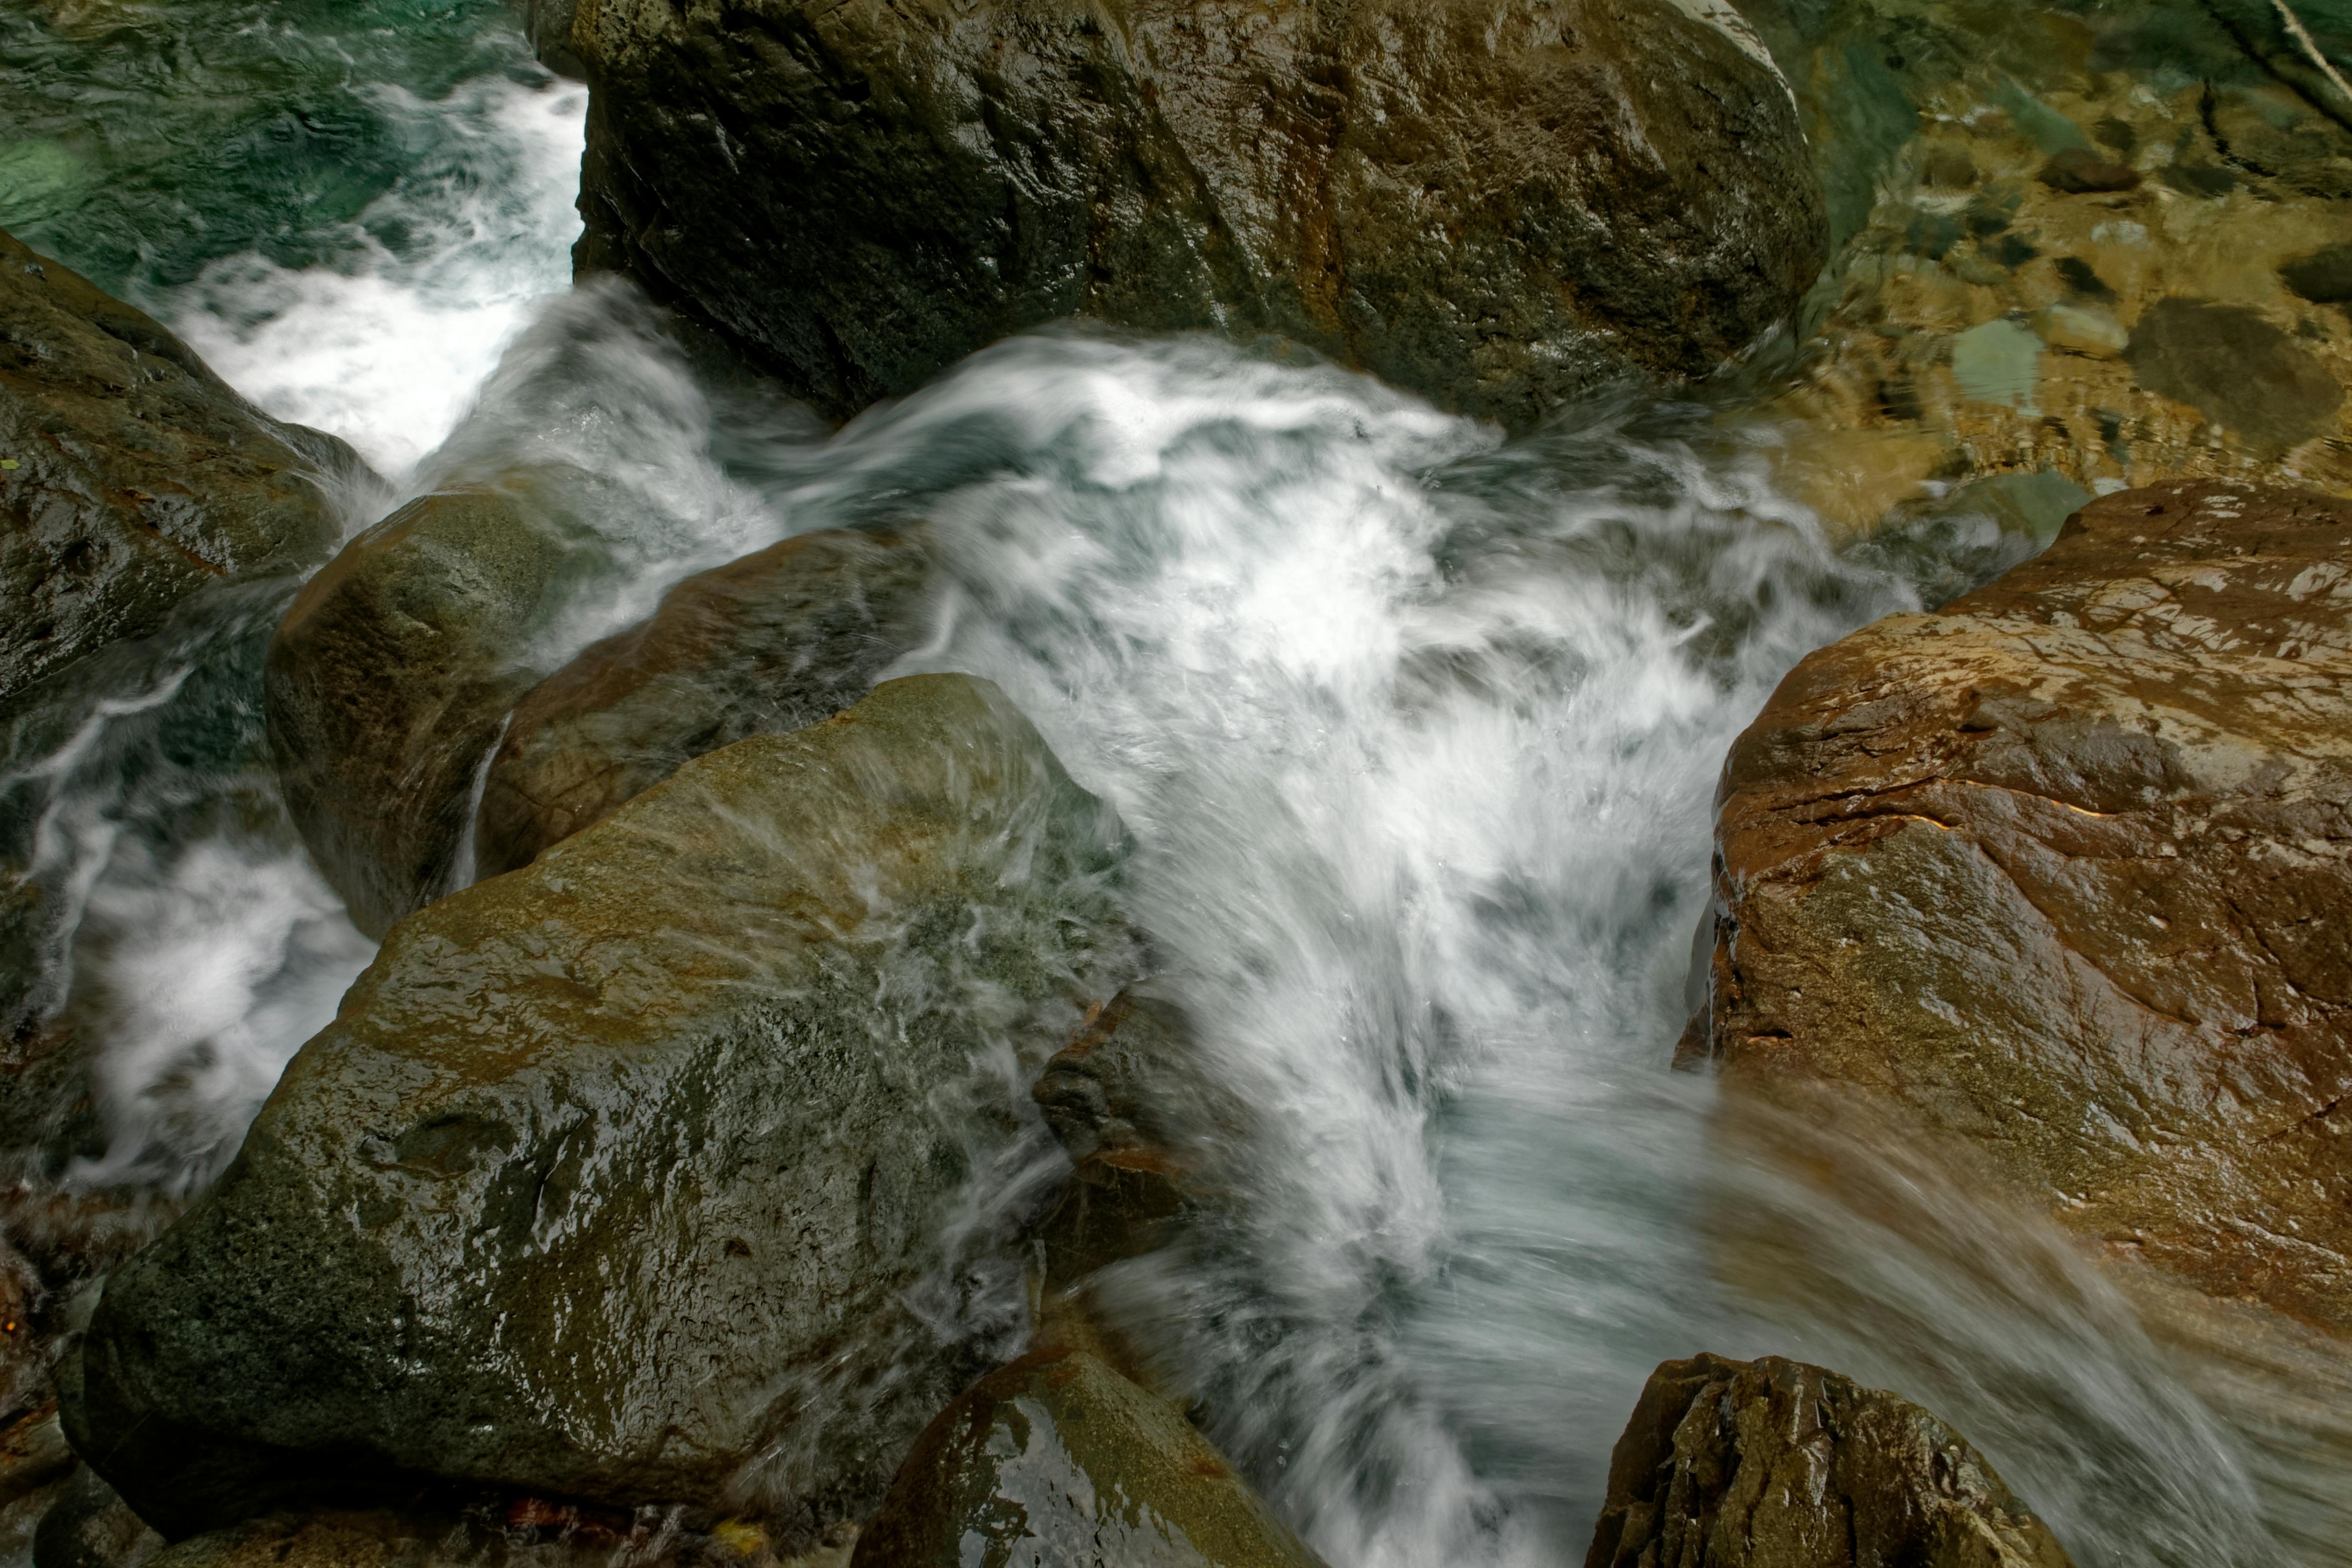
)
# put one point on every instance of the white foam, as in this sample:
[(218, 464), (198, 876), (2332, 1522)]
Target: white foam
[(387, 348)]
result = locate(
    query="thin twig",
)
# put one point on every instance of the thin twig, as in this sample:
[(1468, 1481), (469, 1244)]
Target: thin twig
[(2311, 47)]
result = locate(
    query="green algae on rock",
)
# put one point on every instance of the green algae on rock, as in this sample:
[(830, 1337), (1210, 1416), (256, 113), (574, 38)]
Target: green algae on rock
[(1775, 1464), (131, 476), (1495, 204), (2058, 871), (1058, 1459), (624, 1177), (389, 679), (781, 639)]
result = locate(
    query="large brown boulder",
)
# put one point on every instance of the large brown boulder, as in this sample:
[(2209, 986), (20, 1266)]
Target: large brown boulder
[(781, 639), (390, 676), (1494, 203), (131, 475), (1058, 1460), (2060, 870), (1776, 1464), (644, 1175)]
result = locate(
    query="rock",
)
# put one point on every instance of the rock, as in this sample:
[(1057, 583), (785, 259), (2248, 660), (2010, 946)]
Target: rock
[(131, 475), (33, 1453), (2059, 870), (2078, 171), (1141, 1122), (389, 678), (1775, 1464), (783, 637), (2236, 369), (90, 1526), (616, 1174), (1057, 1459), (2324, 276), (1493, 202)]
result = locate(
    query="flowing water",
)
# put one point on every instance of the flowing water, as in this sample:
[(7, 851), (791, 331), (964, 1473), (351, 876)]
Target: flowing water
[(1416, 732)]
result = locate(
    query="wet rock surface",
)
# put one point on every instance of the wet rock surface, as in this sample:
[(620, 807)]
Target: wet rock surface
[(389, 679), (1775, 1464), (779, 639), (1494, 203), (131, 476), (2054, 185), (1058, 1459), (619, 1179), (2059, 870)]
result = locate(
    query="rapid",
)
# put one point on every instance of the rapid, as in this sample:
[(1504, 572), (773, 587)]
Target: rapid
[(1416, 731)]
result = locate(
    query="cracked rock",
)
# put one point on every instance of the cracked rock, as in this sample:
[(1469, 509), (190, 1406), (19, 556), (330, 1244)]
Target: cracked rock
[(2061, 870), (1775, 1464)]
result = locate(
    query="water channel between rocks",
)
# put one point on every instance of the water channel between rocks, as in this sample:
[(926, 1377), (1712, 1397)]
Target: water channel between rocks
[(1416, 732)]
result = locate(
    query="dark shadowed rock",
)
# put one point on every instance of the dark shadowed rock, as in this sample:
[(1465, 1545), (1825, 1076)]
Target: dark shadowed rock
[(1775, 1464), (783, 637), (131, 476), (2078, 171), (89, 1527), (1058, 1460), (1494, 203), (621, 1172), (2061, 870), (2235, 368), (389, 678)]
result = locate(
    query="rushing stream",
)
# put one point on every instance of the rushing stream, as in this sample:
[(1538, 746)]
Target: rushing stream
[(1416, 731)]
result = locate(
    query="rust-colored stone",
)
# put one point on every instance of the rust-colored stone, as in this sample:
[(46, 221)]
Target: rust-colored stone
[(2062, 869)]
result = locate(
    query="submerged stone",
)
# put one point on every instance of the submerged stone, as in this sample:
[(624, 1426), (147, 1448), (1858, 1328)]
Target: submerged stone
[(1775, 1464), (618, 1178), (2235, 368), (1057, 1461), (131, 475), (2059, 871), (781, 639), (1495, 204)]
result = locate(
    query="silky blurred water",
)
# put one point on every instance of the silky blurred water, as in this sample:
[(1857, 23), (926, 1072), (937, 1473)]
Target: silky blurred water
[(1416, 732)]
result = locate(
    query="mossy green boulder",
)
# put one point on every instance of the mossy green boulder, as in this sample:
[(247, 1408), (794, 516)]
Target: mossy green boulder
[(1495, 204), (623, 1178)]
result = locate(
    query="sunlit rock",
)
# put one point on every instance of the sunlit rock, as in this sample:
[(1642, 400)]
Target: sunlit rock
[(390, 676), (665, 1170), (2061, 870), (131, 476), (781, 638), (1058, 1459), (1494, 203), (1775, 1464)]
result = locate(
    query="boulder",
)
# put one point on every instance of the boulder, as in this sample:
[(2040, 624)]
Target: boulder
[(627, 1171), (1775, 1464), (389, 678), (1057, 1459), (781, 639), (2060, 871), (89, 1526), (131, 475), (1494, 203)]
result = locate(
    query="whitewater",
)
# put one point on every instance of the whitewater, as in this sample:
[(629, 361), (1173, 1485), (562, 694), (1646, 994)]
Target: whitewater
[(1416, 731)]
